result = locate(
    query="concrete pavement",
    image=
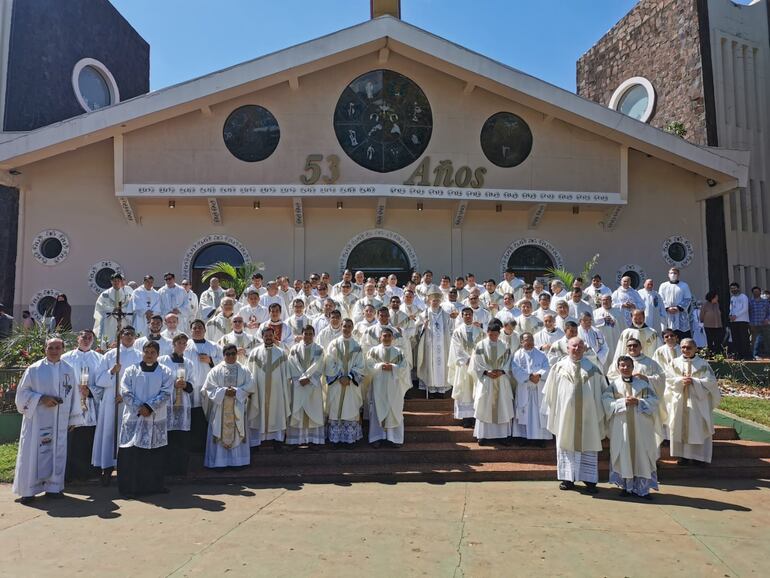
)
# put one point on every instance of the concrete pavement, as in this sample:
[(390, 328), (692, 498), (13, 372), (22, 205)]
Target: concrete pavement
[(409, 529)]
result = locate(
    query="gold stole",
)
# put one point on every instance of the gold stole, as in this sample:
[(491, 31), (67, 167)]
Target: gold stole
[(685, 405), (305, 361), (345, 355), (631, 424), (578, 439), (489, 358), (228, 433), (268, 368)]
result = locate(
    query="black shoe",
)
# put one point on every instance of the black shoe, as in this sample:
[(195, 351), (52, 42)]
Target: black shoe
[(591, 488), (396, 446), (376, 445), (26, 500), (485, 442), (291, 447), (565, 485), (624, 494), (683, 462), (54, 495), (647, 497), (506, 442), (315, 447), (540, 443), (105, 478), (468, 422)]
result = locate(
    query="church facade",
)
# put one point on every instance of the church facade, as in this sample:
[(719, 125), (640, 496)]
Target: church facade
[(381, 147)]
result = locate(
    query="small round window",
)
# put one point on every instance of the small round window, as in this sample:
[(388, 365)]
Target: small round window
[(677, 251), (251, 133), (51, 248), (506, 139), (635, 98), (103, 277), (94, 85)]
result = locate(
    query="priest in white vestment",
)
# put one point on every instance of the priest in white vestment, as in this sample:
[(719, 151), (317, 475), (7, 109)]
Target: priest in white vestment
[(434, 333), (389, 372), (103, 455), (496, 380), (306, 372), (146, 303), (510, 337), (560, 348), (221, 323), (530, 422), (654, 310), (204, 355), (677, 301), (282, 335), (595, 291), (210, 299), (610, 321), (508, 311), (594, 340), (345, 368), (527, 322), (577, 306), (562, 313), (179, 407), (190, 308), (85, 362), (171, 321), (48, 398), (298, 321), (145, 389), (173, 298), (229, 389), (269, 416), (691, 395), (630, 404), (627, 299), (511, 284), (667, 352), (154, 334), (460, 373), (332, 331), (548, 335), (243, 341), (105, 322), (573, 405), (648, 337)]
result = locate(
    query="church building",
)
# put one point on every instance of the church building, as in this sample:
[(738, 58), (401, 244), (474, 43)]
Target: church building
[(380, 147)]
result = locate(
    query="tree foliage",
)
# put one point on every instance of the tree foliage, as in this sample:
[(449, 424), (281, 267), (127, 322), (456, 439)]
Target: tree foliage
[(229, 276)]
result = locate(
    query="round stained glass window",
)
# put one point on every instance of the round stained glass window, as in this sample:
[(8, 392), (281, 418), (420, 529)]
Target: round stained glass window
[(383, 121), (677, 252), (51, 248), (634, 102), (251, 133), (94, 88), (506, 139)]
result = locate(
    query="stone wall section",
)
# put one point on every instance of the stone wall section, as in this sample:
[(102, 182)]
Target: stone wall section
[(659, 40)]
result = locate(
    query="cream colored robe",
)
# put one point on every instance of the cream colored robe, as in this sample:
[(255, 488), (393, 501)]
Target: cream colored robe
[(388, 387), (270, 408), (493, 398), (460, 373), (219, 379), (344, 358), (307, 405)]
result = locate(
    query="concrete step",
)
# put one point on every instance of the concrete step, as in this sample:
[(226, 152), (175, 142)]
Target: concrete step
[(437, 433), (429, 418), (448, 472)]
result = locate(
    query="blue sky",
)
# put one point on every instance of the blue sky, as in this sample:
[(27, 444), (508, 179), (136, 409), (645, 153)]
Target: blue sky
[(191, 38)]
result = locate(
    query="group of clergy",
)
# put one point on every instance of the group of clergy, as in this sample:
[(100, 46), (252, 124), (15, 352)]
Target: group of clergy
[(310, 363)]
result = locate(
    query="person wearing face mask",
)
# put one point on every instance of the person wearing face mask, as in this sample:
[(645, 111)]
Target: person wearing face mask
[(759, 319), (677, 299), (739, 322)]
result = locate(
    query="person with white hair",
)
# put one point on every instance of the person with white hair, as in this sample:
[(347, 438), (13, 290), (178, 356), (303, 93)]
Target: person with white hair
[(627, 299), (573, 405), (48, 398)]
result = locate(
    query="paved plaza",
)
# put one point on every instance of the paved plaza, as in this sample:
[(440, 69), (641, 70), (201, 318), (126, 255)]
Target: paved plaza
[(716, 528)]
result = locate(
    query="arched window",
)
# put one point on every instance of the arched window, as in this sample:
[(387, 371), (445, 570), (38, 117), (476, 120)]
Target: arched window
[(530, 262), (207, 256), (378, 257)]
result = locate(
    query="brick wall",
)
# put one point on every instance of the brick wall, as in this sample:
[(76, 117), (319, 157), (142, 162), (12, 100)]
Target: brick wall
[(659, 40)]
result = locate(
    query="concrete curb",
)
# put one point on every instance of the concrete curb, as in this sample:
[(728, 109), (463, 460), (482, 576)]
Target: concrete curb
[(746, 429)]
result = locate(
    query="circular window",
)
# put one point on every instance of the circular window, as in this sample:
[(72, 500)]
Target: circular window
[(94, 85), (635, 98), (100, 275), (383, 121), (378, 257), (209, 256), (251, 133), (50, 247), (634, 272), (42, 303), (677, 251), (506, 139), (530, 262)]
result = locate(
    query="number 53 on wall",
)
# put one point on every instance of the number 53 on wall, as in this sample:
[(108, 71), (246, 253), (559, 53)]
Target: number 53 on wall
[(313, 167)]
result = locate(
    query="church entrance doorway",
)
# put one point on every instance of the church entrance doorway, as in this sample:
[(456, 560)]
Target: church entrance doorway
[(206, 257), (380, 257), (531, 262)]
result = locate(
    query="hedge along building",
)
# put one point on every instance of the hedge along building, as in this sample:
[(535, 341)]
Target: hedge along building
[(380, 147)]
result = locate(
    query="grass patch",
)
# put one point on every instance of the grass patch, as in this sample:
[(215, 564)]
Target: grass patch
[(7, 461), (751, 408)]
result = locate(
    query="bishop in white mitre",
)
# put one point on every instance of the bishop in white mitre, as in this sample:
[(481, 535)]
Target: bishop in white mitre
[(434, 333), (48, 398)]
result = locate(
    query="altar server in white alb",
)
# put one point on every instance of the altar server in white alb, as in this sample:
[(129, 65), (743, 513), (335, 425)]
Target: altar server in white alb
[(85, 362), (105, 444), (179, 407), (228, 388), (173, 298), (630, 404), (493, 395), (389, 372), (145, 389), (677, 300), (691, 395), (573, 404), (462, 378), (434, 332), (48, 398), (345, 367), (306, 367), (530, 423), (204, 355)]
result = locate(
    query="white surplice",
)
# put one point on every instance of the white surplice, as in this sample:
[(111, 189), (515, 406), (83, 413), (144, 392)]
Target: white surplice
[(530, 422)]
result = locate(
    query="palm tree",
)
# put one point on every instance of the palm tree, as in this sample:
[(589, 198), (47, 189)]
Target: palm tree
[(231, 276), (568, 278)]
